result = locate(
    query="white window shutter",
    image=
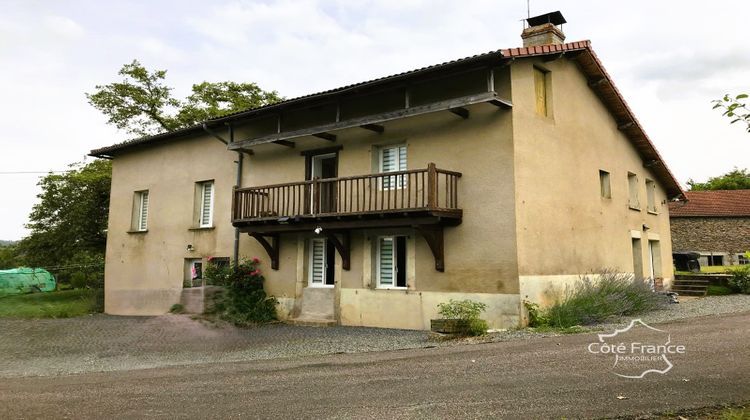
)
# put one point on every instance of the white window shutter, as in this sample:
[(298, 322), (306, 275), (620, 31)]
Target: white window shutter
[(207, 204), (317, 261), (386, 262), (143, 216), (393, 159)]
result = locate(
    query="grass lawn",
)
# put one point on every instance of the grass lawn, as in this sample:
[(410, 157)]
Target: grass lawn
[(62, 304)]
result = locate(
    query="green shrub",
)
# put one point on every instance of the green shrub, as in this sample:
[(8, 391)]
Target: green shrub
[(177, 308), (608, 294), (245, 302), (465, 310), (217, 274), (740, 280), (536, 316), (718, 290)]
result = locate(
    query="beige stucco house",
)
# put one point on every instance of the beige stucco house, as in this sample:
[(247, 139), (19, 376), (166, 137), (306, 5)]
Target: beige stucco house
[(500, 177)]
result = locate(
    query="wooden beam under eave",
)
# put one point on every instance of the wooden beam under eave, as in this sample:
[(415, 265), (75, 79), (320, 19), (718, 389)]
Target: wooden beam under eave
[(553, 57), (625, 126), (374, 127), (500, 103), (596, 81), (286, 143), (325, 136), (460, 111)]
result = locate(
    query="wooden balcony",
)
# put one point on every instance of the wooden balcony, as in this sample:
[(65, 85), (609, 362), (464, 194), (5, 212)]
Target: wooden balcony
[(401, 198), (422, 199)]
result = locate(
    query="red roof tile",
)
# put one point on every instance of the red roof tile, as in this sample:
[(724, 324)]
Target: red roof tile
[(727, 203)]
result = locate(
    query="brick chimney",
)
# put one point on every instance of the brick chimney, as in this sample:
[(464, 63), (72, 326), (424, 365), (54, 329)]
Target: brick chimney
[(544, 30)]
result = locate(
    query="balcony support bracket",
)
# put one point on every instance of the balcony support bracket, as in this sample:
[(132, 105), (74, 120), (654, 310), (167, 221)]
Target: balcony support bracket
[(272, 247), (433, 234), (342, 246)]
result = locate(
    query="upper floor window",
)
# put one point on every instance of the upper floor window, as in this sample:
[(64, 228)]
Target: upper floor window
[(205, 194), (651, 196), (139, 222), (633, 201), (541, 91), (393, 159), (604, 186)]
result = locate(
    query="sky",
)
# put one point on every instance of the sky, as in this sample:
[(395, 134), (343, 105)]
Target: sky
[(669, 58)]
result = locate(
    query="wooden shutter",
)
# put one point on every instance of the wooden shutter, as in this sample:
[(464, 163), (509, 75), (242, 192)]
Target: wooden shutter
[(386, 266), (207, 198), (143, 211), (317, 261)]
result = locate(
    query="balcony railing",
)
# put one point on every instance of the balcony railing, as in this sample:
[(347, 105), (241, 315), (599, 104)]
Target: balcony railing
[(425, 190)]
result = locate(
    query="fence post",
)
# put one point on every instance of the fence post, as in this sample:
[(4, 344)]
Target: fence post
[(431, 186)]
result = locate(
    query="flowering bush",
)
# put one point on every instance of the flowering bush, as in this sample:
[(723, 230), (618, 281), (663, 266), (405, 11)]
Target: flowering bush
[(245, 302)]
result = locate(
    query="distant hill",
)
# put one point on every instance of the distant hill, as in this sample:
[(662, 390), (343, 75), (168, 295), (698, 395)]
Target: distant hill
[(7, 243)]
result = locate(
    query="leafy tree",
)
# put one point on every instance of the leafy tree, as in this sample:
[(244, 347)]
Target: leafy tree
[(9, 257), (735, 108), (71, 216), (142, 104), (737, 179)]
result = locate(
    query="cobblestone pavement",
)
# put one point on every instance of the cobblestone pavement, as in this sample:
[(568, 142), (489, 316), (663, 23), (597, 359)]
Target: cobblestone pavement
[(110, 343)]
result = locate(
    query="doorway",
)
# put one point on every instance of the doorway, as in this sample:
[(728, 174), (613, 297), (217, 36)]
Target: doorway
[(324, 166), (322, 263)]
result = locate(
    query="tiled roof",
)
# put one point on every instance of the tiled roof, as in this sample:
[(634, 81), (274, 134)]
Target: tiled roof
[(587, 61), (726, 203)]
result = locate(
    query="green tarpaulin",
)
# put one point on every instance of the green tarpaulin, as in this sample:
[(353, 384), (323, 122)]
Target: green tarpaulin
[(26, 280)]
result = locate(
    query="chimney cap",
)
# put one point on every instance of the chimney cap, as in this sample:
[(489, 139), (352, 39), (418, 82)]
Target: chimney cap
[(555, 18)]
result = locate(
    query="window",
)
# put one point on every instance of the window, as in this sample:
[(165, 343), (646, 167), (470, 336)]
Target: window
[(139, 221), (540, 91), (654, 253), (743, 259), (651, 195), (606, 190), (393, 159), (715, 260), (205, 203), (391, 269), (193, 272), (633, 202)]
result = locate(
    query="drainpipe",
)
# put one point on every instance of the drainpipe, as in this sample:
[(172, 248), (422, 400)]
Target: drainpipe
[(238, 184)]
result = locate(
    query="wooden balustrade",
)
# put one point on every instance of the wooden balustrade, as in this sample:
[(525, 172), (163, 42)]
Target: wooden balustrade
[(429, 189)]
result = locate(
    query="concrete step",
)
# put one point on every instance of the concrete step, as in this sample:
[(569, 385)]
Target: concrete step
[(312, 322), (689, 286), (691, 281), (317, 303), (689, 292)]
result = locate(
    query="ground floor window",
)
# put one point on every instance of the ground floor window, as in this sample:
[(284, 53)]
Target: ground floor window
[(391, 262), (715, 260), (743, 259)]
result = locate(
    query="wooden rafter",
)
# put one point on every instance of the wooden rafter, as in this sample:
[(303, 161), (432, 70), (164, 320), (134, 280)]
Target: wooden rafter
[(373, 127), (286, 143), (325, 136), (272, 248), (460, 111)]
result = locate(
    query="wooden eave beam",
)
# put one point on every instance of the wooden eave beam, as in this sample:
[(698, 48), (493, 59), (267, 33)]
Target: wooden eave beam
[(553, 57), (272, 247), (460, 111), (597, 81), (625, 125), (484, 97), (325, 136), (434, 236), (374, 127)]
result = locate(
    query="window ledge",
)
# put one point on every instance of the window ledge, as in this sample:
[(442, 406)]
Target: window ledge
[(654, 212), (631, 207), (391, 288), (203, 228), (136, 232)]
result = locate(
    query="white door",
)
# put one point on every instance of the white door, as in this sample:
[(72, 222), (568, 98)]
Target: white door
[(318, 261), (651, 260)]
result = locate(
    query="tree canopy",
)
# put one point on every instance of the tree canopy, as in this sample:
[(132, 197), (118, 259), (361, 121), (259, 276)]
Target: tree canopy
[(735, 108), (69, 222), (142, 103), (737, 179)]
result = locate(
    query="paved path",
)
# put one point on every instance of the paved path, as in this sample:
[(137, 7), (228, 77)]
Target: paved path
[(533, 378)]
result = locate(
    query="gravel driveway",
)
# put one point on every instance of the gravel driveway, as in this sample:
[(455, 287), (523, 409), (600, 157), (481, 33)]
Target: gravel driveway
[(111, 343)]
